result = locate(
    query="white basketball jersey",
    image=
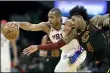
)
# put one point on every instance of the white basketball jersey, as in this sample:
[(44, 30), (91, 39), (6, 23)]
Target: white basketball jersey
[(72, 46), (5, 55), (5, 44), (56, 35)]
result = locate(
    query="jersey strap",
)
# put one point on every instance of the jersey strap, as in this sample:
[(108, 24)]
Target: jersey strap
[(76, 55)]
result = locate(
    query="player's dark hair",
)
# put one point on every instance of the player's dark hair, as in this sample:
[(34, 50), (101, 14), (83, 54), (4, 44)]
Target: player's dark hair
[(56, 10), (79, 10)]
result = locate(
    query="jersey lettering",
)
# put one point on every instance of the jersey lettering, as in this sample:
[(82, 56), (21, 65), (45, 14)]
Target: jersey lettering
[(57, 36)]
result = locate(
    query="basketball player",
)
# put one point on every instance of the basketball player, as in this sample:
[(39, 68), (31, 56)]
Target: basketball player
[(53, 27), (72, 53), (46, 38), (5, 52), (90, 36)]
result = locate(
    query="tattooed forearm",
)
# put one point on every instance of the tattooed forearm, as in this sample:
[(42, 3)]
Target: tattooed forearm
[(106, 23), (98, 20)]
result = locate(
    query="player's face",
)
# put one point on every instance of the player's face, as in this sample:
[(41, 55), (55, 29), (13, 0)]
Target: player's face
[(53, 18), (76, 18), (68, 26)]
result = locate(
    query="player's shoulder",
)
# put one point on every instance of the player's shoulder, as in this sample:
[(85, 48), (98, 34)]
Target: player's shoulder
[(45, 23), (96, 17)]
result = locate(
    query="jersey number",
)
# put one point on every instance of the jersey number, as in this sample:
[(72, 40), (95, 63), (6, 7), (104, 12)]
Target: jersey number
[(57, 36)]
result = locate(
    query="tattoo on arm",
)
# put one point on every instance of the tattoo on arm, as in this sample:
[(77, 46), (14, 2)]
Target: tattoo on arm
[(98, 19)]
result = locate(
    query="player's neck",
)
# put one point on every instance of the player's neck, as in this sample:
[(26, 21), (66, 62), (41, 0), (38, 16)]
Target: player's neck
[(58, 26), (84, 27)]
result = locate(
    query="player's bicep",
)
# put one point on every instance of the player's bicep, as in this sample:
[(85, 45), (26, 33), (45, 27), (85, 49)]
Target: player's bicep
[(32, 27), (41, 26)]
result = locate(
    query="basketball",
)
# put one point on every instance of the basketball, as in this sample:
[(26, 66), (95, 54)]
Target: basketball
[(11, 32)]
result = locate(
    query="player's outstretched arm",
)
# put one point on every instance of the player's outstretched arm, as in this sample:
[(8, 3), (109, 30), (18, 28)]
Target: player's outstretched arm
[(15, 53), (31, 27), (34, 27), (33, 48)]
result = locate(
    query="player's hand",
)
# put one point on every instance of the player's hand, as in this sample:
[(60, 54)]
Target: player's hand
[(12, 24), (31, 49), (15, 62), (106, 22)]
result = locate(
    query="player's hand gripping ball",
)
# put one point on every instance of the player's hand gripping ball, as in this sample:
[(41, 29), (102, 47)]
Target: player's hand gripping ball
[(11, 31)]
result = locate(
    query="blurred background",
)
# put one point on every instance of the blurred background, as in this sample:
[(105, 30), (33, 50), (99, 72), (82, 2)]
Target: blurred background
[(35, 12)]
